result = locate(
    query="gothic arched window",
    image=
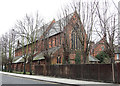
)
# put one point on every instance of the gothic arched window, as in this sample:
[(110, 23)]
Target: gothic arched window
[(75, 41)]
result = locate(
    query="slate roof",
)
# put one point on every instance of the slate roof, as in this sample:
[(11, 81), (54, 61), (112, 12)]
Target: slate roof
[(18, 59), (58, 26), (50, 51), (93, 59), (39, 57)]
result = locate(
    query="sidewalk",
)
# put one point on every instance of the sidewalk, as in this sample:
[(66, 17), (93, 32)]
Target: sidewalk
[(58, 80)]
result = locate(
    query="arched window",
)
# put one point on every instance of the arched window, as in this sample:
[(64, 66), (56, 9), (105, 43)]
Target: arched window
[(58, 59), (75, 41)]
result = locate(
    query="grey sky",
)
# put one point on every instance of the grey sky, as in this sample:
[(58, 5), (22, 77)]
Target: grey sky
[(12, 10)]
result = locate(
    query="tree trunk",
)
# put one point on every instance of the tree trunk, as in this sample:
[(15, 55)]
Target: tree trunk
[(10, 66), (24, 67), (45, 69), (2, 67), (113, 71), (5, 68), (84, 58), (30, 66)]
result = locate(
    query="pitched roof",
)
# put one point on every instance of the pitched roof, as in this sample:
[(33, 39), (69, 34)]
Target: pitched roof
[(93, 59), (40, 55), (18, 59), (58, 26)]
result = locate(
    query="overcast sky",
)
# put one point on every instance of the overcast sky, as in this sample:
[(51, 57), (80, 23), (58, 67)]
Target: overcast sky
[(12, 10)]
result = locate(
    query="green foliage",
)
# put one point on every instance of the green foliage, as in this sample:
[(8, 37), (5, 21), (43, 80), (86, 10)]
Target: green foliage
[(103, 57), (64, 61), (78, 58)]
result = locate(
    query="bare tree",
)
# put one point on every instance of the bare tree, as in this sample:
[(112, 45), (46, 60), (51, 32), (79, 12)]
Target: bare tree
[(91, 17), (47, 41), (108, 25), (64, 36), (46, 52), (28, 28), (24, 53), (4, 51), (83, 25), (11, 47)]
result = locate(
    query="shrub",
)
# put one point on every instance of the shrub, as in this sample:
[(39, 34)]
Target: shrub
[(103, 57), (78, 58), (64, 62)]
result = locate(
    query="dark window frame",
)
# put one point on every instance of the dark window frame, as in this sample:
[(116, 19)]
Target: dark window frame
[(60, 39), (58, 59), (75, 41), (55, 41), (51, 43)]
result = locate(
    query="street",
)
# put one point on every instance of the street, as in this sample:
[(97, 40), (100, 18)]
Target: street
[(11, 80), (18, 81)]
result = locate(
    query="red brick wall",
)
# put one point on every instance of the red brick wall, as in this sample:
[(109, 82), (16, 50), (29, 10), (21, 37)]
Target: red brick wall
[(98, 48), (18, 52)]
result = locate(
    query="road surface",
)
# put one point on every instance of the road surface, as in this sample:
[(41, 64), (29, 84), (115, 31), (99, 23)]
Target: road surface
[(18, 81), (8, 80)]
